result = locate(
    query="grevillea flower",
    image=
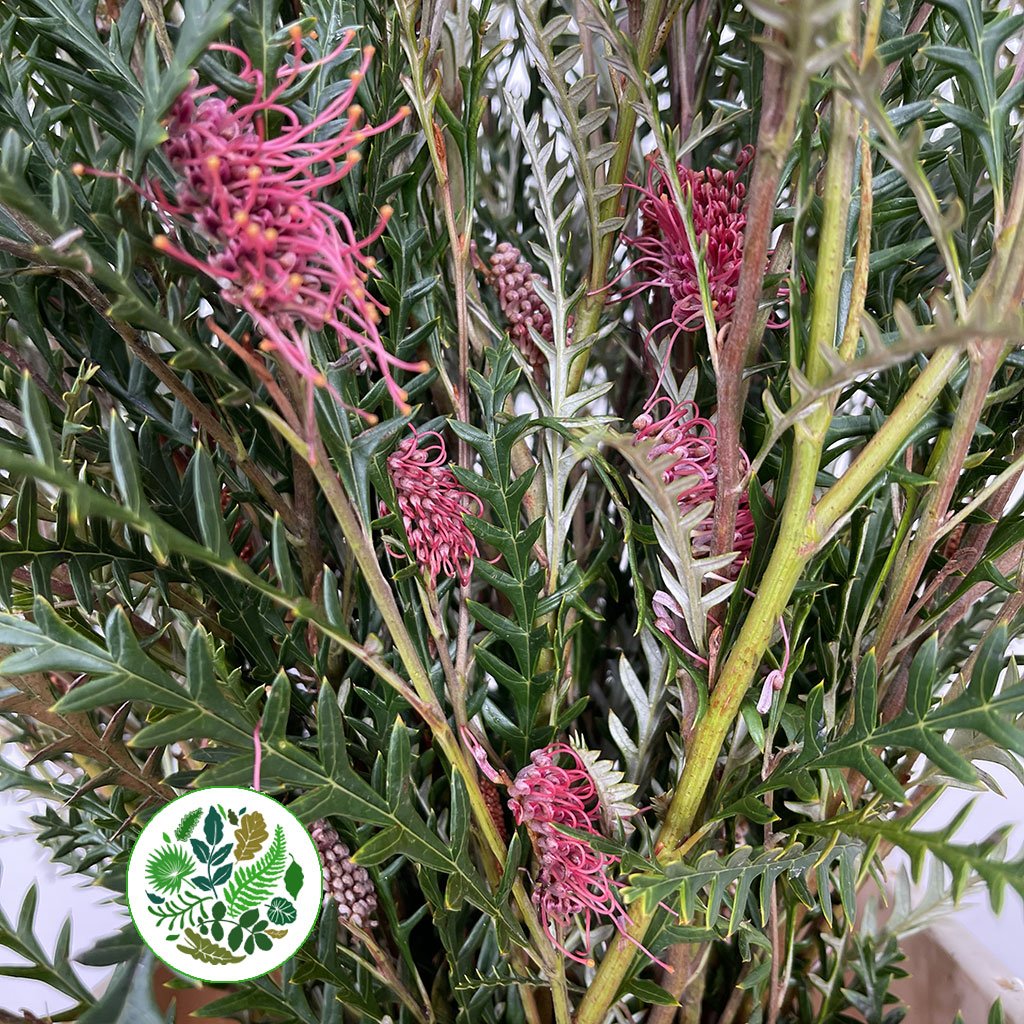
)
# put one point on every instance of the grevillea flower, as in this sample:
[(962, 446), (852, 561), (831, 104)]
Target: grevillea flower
[(280, 253), (349, 884), (573, 879), (512, 277), (776, 679), (690, 440), (431, 503), (666, 259)]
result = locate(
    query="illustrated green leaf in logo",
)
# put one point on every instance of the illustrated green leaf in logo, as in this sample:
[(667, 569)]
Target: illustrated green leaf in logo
[(188, 824), (253, 884), (277, 933), (281, 911), (168, 867), (213, 827), (293, 879), (250, 835), (206, 951)]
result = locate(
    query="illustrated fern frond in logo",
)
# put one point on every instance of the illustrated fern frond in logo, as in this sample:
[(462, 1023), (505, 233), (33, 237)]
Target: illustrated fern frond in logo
[(206, 951), (253, 884), (168, 868)]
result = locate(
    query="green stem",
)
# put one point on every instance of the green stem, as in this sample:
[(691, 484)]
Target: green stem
[(949, 466), (891, 437), (590, 310), (789, 556)]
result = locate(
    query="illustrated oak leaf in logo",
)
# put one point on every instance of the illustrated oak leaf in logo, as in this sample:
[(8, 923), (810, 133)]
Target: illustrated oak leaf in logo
[(250, 836), (168, 868)]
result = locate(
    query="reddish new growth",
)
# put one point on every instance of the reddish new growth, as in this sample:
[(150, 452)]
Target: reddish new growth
[(666, 259), (573, 879), (432, 504), (280, 253)]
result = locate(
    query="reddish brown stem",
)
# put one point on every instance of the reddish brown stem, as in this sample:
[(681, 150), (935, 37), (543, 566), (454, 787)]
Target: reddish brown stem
[(740, 338)]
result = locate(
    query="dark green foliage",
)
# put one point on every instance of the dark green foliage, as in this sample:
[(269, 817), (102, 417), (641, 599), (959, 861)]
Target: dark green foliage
[(183, 554)]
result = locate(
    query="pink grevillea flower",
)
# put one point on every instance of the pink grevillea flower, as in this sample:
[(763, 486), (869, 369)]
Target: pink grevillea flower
[(690, 440), (279, 252), (573, 878), (513, 279), (432, 503), (666, 259), (776, 679)]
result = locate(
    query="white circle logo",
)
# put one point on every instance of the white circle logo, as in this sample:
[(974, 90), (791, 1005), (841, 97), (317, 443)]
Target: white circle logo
[(224, 884)]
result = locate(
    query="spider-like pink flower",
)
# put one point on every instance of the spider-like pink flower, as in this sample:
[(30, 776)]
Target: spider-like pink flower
[(573, 878), (691, 441), (432, 503), (666, 259), (284, 256)]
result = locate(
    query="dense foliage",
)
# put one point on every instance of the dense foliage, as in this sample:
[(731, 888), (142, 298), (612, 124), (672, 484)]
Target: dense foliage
[(582, 435)]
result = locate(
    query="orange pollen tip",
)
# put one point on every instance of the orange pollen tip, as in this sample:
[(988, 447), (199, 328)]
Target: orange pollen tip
[(369, 51), (78, 169), (424, 366), (373, 316), (404, 111), (295, 32), (359, 136), (213, 163), (161, 242), (355, 112), (320, 380), (295, 280), (253, 173), (403, 394), (370, 262), (240, 217), (270, 234), (357, 76), (386, 211), (358, 294), (257, 291), (253, 230), (353, 156), (266, 346), (370, 418)]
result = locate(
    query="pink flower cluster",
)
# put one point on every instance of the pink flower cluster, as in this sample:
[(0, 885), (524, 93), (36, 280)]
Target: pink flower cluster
[(431, 504), (666, 259), (513, 278), (573, 878), (286, 257), (691, 441)]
